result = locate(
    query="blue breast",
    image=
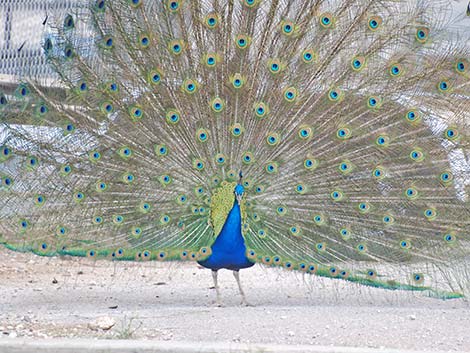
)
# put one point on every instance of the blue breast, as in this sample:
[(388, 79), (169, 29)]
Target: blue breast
[(229, 250)]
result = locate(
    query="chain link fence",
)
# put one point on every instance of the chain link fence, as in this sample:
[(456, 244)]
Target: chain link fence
[(23, 25)]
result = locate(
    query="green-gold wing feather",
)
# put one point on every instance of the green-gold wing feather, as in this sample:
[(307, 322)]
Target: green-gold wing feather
[(336, 112)]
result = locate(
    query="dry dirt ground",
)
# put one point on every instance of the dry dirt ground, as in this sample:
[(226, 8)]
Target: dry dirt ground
[(76, 298)]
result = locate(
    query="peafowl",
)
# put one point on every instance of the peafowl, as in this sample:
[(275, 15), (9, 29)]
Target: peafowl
[(322, 136)]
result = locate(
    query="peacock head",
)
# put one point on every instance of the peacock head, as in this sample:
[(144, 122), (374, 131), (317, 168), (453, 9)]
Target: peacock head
[(239, 191)]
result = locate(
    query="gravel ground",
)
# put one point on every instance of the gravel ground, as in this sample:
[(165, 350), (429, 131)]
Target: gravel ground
[(76, 298)]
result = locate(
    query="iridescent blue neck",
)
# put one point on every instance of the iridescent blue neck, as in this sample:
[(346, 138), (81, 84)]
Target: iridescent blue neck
[(229, 250)]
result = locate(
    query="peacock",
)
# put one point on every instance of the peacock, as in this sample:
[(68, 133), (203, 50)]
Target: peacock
[(322, 136)]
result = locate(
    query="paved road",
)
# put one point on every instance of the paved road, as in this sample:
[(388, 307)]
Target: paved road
[(106, 346)]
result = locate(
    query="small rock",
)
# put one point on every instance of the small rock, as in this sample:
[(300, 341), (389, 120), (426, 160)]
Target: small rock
[(168, 336), (291, 333), (102, 323), (412, 317)]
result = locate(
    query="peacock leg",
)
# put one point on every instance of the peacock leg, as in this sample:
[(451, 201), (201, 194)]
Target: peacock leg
[(216, 286), (236, 274)]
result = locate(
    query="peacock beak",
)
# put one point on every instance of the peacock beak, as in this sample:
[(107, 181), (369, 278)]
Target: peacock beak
[(239, 198)]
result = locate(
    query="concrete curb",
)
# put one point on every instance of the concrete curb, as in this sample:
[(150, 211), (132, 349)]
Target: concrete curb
[(128, 346)]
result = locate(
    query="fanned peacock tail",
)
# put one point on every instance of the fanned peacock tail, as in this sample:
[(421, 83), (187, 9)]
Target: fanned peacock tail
[(335, 112)]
